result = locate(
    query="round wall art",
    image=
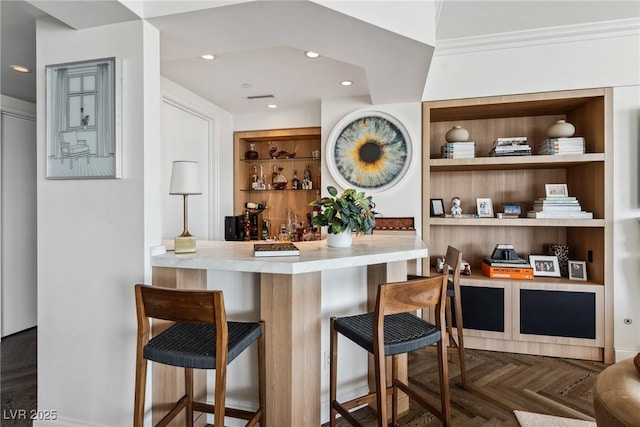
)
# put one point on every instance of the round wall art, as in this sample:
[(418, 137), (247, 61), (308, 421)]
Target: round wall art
[(369, 150)]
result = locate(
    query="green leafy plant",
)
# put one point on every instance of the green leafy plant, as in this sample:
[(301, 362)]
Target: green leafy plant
[(351, 210)]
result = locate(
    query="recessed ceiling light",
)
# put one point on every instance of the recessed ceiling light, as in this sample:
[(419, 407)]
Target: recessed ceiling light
[(310, 54), (246, 85), (20, 68), (346, 83), (272, 106), (208, 56)]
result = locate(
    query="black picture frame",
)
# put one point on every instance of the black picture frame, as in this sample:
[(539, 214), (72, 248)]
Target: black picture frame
[(436, 207)]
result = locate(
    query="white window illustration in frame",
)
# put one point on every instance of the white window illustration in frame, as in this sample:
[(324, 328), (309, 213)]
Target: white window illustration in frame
[(83, 120)]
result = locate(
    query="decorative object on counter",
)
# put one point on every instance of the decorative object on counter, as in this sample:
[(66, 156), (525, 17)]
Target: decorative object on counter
[(275, 249), (484, 207), (577, 270), (352, 211), (368, 150), (457, 134), (562, 252), (436, 207), (251, 153), (561, 129), (456, 208), (545, 265), (185, 182)]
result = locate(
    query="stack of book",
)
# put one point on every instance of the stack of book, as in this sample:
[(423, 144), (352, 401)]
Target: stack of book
[(275, 249), (510, 146), (507, 269), (556, 146), (558, 207), (458, 150)]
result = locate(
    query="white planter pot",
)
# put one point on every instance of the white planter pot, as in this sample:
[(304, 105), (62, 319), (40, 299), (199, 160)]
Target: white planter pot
[(342, 240)]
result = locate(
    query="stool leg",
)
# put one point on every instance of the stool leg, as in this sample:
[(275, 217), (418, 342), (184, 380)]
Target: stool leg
[(262, 381), (381, 386), (443, 369), (140, 388), (333, 372), (188, 391), (394, 378), (460, 327)]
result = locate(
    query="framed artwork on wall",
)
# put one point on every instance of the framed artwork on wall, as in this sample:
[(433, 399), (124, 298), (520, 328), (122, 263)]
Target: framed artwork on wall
[(83, 120), (368, 150)]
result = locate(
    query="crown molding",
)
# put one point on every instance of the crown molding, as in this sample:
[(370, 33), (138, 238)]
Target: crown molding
[(539, 36)]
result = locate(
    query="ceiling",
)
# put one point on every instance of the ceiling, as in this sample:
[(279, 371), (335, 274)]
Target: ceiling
[(260, 45)]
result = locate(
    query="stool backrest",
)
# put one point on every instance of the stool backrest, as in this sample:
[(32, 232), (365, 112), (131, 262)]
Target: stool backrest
[(401, 297), (454, 259), (180, 305)]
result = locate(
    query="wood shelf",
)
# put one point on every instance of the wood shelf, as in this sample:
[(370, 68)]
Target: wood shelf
[(517, 222), (521, 180), (515, 162)]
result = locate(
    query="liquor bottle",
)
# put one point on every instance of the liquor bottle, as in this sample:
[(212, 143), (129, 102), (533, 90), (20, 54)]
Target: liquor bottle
[(254, 178), (257, 206), (295, 182), (274, 174), (251, 154), (266, 224), (247, 226), (316, 211), (307, 183)]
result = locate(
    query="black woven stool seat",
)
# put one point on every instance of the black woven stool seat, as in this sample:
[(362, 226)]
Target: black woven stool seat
[(193, 345), (403, 332)]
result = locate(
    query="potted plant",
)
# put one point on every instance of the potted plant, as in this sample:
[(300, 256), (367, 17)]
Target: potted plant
[(351, 211)]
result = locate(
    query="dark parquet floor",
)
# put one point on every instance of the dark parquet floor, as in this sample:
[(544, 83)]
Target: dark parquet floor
[(18, 378), (498, 383)]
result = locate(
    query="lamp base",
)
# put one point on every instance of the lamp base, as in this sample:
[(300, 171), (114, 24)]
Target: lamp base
[(185, 245)]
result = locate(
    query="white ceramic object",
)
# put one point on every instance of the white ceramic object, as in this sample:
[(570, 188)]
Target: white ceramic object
[(457, 134), (561, 129), (342, 240)]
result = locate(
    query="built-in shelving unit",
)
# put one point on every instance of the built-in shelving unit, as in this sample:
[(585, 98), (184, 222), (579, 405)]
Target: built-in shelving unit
[(578, 315), (301, 141)]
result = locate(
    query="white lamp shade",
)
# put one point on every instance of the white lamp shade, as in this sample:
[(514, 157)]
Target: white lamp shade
[(184, 178)]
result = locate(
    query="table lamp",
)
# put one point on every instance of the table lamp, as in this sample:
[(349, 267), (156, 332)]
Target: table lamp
[(184, 181)]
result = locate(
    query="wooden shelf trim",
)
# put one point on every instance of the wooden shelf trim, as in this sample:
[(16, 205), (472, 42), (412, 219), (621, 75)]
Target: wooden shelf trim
[(518, 222), (515, 162)]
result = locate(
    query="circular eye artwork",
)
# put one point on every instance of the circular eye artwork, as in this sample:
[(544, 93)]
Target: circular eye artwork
[(369, 150)]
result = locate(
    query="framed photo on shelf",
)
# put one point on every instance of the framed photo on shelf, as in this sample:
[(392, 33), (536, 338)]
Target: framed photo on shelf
[(545, 265), (577, 270), (556, 190), (512, 210), (437, 207), (484, 207)]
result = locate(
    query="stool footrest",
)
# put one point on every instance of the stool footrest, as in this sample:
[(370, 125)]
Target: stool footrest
[(230, 412)]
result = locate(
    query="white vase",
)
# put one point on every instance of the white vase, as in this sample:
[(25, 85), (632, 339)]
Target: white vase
[(561, 129), (457, 134), (341, 240)]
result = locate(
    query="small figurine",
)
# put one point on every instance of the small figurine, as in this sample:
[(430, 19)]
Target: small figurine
[(456, 209)]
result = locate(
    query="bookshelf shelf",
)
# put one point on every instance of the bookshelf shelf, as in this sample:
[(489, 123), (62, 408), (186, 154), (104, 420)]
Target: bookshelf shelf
[(521, 180)]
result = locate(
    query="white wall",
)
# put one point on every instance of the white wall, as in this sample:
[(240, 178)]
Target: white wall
[(94, 237), (604, 58), (183, 114), (18, 280)]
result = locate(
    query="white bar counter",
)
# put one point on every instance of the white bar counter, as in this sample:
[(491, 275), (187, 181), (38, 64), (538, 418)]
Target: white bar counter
[(290, 305)]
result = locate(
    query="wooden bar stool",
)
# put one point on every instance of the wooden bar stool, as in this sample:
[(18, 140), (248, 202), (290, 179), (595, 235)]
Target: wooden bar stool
[(454, 259), (200, 338), (392, 329)]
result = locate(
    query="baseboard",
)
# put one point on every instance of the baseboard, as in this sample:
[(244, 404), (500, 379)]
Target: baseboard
[(62, 422), (625, 354)]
